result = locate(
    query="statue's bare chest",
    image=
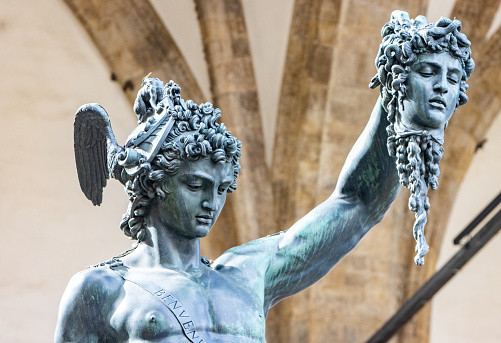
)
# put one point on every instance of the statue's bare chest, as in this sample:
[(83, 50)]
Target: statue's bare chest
[(206, 301)]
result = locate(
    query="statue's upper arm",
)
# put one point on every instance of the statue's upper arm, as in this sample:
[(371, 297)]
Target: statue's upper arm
[(283, 264), (313, 245), (86, 305)]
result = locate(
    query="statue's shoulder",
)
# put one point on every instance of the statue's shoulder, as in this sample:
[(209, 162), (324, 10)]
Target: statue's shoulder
[(254, 253), (95, 283), (87, 303)]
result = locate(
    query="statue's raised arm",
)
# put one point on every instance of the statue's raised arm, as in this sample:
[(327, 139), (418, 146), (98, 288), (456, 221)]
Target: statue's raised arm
[(422, 71)]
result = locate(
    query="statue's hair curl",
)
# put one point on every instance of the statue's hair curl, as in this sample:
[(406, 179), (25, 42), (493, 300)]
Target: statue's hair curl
[(196, 135)]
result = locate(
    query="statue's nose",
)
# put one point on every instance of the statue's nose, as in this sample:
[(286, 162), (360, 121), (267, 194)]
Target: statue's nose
[(441, 85), (210, 201)]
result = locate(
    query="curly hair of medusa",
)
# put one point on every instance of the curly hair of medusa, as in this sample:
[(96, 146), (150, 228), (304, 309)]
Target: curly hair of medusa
[(195, 135), (402, 43)]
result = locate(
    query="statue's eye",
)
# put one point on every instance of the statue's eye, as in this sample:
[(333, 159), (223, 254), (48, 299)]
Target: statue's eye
[(425, 70), (194, 186), (453, 80), (426, 73)]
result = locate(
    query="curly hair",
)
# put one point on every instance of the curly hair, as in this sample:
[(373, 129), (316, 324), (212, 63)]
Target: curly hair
[(196, 135), (404, 40), (418, 154)]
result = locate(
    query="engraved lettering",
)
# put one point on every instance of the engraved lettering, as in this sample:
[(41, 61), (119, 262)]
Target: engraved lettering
[(189, 326), (166, 297), (181, 314), (193, 335), (175, 303), (159, 293)]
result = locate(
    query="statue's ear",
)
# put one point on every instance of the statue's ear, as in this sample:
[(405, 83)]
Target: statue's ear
[(159, 189), (162, 188)]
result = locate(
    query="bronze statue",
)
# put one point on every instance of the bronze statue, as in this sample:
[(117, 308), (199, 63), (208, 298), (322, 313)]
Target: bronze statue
[(180, 163)]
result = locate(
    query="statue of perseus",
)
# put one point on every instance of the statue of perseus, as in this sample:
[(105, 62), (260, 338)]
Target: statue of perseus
[(179, 164)]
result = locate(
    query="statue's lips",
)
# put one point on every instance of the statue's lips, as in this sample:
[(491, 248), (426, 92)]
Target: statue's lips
[(437, 102), (204, 219)]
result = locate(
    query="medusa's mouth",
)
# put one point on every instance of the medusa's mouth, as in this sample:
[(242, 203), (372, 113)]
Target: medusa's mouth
[(437, 102)]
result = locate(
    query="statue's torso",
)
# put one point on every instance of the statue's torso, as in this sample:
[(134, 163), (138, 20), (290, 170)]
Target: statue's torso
[(222, 305)]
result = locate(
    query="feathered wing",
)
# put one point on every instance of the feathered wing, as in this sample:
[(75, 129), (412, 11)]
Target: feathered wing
[(96, 151)]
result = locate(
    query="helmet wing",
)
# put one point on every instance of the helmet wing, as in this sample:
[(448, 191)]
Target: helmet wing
[(96, 151)]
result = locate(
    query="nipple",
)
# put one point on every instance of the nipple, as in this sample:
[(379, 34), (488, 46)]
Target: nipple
[(153, 318)]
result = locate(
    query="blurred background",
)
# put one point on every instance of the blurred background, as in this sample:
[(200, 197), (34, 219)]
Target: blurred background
[(291, 80)]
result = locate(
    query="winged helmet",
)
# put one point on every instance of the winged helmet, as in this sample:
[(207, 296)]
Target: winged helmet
[(98, 156)]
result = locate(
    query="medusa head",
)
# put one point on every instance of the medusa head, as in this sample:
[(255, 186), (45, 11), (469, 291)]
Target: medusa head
[(422, 71)]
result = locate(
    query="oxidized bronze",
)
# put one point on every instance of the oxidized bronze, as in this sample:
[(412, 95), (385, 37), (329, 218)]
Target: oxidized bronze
[(179, 165)]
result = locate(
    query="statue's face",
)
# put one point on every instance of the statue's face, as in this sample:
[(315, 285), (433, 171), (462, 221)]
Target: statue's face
[(432, 92), (198, 192)]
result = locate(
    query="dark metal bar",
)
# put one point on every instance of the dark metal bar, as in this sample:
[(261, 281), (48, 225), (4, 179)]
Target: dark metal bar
[(428, 290), (474, 223)]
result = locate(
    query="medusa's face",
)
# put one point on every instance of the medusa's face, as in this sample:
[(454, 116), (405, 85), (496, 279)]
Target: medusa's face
[(432, 92), (197, 195)]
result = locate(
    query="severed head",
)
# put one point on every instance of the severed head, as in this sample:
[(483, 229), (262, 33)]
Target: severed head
[(422, 71)]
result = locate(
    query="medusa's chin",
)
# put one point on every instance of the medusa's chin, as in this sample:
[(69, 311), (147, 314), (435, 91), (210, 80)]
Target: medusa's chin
[(405, 129)]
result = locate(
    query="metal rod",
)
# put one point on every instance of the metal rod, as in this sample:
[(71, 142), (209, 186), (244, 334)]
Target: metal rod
[(428, 290), (474, 223)]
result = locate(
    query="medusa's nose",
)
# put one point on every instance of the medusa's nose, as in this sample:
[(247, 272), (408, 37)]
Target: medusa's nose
[(441, 85)]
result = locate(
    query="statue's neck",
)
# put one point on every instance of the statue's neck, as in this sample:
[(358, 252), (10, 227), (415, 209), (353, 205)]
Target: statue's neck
[(403, 130), (164, 249)]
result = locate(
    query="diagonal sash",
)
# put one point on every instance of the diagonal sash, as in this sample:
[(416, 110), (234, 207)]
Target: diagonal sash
[(169, 300)]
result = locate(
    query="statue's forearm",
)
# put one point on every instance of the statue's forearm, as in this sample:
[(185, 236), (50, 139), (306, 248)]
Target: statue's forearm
[(369, 174)]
